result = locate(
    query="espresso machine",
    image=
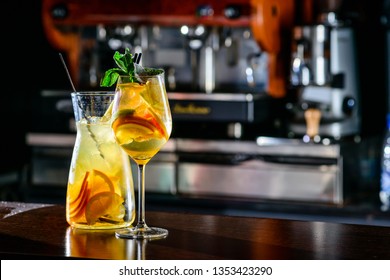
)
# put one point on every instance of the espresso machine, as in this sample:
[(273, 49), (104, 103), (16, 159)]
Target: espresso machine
[(324, 76), (227, 69), (216, 74)]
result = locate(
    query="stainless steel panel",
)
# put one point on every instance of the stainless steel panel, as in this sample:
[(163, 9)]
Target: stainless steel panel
[(270, 168), (263, 180), (263, 146)]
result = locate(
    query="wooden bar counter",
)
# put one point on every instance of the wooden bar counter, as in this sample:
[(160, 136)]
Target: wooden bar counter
[(39, 231)]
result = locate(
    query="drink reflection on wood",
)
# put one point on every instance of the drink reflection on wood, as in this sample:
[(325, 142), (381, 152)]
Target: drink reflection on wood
[(100, 244)]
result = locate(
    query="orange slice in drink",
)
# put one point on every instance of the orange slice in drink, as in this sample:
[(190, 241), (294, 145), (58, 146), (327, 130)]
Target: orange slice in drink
[(131, 94), (152, 117), (100, 182), (129, 127), (77, 203), (107, 206), (76, 194)]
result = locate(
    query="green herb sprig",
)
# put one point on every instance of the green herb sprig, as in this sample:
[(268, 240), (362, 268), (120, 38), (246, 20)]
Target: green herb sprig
[(126, 65)]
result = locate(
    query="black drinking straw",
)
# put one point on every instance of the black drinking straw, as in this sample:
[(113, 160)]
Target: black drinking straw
[(137, 57)]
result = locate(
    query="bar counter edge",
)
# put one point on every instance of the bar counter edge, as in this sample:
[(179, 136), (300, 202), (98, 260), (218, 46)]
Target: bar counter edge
[(40, 231)]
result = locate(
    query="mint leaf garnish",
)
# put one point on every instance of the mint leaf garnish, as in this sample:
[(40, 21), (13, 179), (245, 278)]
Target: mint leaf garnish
[(126, 67), (110, 77), (125, 61)]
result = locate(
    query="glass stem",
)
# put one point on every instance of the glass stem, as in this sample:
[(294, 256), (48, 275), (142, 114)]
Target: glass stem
[(141, 196)]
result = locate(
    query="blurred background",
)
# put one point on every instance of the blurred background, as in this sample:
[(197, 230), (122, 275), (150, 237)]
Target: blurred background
[(245, 79)]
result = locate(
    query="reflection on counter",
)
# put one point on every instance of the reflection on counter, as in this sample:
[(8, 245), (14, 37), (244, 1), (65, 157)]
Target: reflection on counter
[(105, 245)]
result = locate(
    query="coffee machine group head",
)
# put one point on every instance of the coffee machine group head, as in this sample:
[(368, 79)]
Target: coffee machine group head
[(323, 76)]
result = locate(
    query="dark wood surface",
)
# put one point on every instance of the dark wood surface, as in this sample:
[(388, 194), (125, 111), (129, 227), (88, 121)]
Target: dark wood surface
[(33, 231)]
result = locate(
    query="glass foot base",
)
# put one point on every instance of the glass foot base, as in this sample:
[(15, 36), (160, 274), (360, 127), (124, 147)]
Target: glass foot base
[(142, 233)]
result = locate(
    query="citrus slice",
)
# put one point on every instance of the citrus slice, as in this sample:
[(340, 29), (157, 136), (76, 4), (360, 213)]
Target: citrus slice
[(100, 182), (106, 205), (131, 128), (74, 193), (130, 93), (78, 203)]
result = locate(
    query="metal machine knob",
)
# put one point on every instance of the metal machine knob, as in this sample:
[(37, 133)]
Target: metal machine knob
[(349, 104), (59, 11), (232, 11)]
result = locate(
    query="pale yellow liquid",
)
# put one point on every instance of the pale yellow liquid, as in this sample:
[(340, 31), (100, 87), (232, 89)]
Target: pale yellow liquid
[(141, 123), (100, 187)]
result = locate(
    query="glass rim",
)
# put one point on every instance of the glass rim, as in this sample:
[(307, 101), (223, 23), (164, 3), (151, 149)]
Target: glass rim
[(143, 74), (93, 92)]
